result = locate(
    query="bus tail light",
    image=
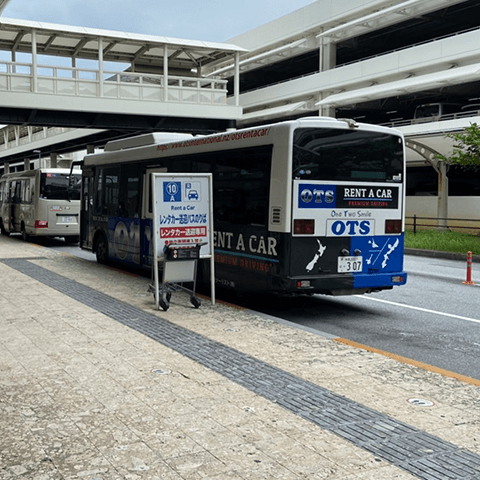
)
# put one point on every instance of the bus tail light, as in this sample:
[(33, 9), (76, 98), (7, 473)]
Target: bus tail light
[(41, 224), (304, 227), (393, 226)]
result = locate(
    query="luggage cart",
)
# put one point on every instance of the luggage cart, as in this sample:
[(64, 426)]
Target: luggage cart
[(179, 266)]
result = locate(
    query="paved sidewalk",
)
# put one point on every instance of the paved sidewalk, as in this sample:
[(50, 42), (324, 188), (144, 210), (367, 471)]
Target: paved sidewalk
[(96, 384)]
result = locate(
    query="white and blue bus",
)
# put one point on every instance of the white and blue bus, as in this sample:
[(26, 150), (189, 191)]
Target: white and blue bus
[(314, 205)]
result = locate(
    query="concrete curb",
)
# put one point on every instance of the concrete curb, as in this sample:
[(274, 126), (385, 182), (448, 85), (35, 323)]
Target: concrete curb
[(440, 254)]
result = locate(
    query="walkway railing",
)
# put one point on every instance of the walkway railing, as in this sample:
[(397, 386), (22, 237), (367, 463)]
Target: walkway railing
[(19, 77), (435, 118), (16, 136), (471, 225)]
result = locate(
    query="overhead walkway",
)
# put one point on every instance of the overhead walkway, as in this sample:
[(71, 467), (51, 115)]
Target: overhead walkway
[(133, 82), (426, 139), (423, 140)]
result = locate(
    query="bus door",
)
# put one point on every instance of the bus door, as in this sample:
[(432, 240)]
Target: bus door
[(5, 206), (146, 224), (121, 205), (86, 227), (15, 197)]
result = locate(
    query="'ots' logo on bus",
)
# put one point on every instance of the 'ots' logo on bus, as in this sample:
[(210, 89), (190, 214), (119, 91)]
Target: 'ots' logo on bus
[(317, 196), (350, 228)]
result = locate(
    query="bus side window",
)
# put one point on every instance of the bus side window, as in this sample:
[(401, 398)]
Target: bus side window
[(17, 192), (241, 186), (107, 191), (112, 190), (130, 191), (98, 194), (26, 191), (32, 191)]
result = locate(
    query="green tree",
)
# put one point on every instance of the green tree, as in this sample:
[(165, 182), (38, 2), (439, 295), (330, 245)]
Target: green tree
[(466, 149)]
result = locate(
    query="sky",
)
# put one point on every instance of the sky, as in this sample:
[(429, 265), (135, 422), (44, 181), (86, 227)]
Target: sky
[(211, 20)]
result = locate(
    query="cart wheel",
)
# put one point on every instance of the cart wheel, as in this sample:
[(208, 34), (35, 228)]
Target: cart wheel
[(196, 302), (168, 296), (164, 304)]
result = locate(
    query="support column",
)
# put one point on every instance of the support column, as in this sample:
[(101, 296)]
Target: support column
[(327, 61), (16, 130), (236, 80), (6, 167), (442, 208), (53, 160), (441, 168), (26, 164), (165, 73), (100, 67), (90, 149), (34, 62), (328, 56)]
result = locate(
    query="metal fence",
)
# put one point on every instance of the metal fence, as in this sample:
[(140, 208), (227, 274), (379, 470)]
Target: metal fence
[(467, 225)]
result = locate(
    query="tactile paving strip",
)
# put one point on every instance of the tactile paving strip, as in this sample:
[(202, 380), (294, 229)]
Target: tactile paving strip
[(423, 455)]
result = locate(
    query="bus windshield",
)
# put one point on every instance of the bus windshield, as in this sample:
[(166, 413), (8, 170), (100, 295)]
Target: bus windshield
[(60, 186), (346, 155)]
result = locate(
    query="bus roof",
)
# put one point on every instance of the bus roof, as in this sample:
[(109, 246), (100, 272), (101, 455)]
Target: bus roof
[(26, 173), (146, 139), (157, 145)]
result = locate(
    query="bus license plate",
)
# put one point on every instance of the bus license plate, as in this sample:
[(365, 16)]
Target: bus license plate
[(68, 219), (350, 264)]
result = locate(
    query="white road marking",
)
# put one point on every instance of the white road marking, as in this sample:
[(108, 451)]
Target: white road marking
[(427, 310)]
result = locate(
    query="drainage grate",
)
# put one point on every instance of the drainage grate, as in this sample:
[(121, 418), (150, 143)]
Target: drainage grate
[(423, 455)]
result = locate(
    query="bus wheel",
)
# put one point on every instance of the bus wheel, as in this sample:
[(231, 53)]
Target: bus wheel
[(2, 229), (101, 249), (25, 236)]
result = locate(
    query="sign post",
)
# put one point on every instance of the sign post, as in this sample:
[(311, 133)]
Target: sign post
[(182, 215)]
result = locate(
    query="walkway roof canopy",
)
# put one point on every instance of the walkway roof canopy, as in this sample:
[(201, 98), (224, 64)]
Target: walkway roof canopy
[(82, 42), (413, 84)]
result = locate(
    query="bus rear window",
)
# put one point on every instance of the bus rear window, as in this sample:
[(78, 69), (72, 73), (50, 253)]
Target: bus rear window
[(346, 155), (60, 186)]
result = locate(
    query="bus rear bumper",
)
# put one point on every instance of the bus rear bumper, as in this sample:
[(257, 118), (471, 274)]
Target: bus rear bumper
[(342, 284)]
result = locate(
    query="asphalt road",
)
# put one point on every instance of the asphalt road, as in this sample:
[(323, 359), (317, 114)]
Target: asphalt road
[(434, 319)]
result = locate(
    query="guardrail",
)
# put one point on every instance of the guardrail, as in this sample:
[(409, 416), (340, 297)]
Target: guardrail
[(22, 77), (472, 225), (435, 118)]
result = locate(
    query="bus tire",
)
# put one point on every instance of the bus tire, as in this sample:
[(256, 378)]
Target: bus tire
[(101, 249), (25, 236), (2, 229)]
